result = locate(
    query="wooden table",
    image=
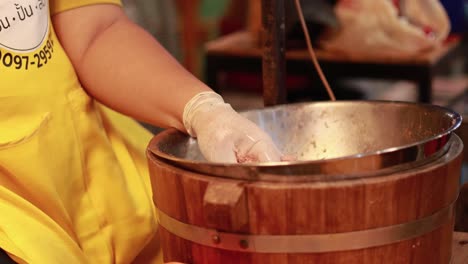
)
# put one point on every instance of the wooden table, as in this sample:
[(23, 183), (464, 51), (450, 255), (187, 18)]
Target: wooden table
[(239, 52)]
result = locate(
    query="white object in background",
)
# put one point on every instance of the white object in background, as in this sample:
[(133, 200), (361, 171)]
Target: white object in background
[(380, 29), (224, 135)]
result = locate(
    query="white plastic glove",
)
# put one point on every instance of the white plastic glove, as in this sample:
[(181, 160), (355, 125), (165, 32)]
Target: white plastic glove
[(224, 135)]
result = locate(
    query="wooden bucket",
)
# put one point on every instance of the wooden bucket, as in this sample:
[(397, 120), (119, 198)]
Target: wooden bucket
[(461, 222), (404, 217)]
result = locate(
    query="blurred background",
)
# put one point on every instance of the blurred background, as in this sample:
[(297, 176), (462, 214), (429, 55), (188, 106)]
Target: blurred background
[(187, 28)]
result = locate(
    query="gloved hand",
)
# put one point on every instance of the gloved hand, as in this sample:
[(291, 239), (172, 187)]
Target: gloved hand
[(224, 135)]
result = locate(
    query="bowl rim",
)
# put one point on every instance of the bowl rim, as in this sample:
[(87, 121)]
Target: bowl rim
[(457, 120)]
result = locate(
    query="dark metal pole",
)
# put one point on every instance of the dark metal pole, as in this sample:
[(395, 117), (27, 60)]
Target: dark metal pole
[(274, 48)]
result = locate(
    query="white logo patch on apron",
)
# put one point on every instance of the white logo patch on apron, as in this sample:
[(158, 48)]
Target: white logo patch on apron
[(23, 24)]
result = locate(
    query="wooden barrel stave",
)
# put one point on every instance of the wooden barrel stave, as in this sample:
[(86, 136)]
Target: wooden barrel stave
[(432, 248)]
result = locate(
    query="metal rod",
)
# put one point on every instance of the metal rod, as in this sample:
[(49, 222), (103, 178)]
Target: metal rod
[(274, 48)]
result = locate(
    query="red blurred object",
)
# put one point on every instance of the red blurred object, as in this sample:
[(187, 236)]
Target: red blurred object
[(396, 3), (428, 30), (453, 38)]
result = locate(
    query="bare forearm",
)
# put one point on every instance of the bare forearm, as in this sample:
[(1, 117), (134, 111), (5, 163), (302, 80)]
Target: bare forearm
[(123, 67)]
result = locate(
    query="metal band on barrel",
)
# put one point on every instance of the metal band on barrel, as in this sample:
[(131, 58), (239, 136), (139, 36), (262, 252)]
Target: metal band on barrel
[(317, 243)]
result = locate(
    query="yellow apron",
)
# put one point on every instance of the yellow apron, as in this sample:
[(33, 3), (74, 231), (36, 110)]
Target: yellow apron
[(74, 186)]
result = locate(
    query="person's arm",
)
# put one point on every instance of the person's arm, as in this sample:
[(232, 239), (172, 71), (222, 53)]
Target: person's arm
[(124, 67)]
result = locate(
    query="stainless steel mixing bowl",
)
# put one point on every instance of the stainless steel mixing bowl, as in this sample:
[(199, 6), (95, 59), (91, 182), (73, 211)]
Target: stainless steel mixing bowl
[(340, 139)]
